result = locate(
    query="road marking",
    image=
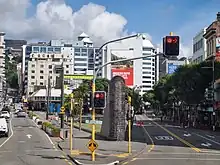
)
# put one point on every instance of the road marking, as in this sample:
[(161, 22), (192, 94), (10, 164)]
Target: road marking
[(152, 142), (198, 159), (175, 153), (163, 137), (206, 144), (187, 135), (21, 141), (213, 141), (180, 139), (29, 136), (213, 137), (12, 133)]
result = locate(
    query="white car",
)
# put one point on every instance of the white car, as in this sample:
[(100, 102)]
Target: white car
[(3, 127), (5, 114)]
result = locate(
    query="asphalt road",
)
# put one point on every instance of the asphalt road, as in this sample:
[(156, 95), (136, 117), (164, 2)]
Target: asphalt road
[(172, 145), (28, 145)]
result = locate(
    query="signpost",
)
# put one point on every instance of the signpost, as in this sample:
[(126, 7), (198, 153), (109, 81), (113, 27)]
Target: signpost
[(62, 109), (92, 145)]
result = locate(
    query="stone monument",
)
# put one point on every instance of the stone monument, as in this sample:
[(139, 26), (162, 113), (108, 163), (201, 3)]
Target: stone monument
[(114, 124)]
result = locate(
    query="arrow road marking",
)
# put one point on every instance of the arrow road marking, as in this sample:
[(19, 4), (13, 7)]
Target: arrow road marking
[(187, 135), (29, 136), (213, 137), (206, 144)]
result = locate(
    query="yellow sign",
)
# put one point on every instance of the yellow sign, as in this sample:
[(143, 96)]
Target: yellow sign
[(62, 109), (79, 77), (92, 145)]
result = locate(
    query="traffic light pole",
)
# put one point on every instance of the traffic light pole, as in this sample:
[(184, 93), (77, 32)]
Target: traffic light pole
[(62, 94)]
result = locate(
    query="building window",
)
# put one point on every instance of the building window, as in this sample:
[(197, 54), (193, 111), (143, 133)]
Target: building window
[(33, 71), (146, 81), (77, 50), (146, 72), (50, 50), (146, 49), (32, 65), (32, 83), (41, 71), (50, 71), (84, 50), (50, 66), (146, 68), (36, 49), (80, 64), (57, 49), (67, 72), (146, 63), (43, 49), (80, 59), (32, 77), (41, 83), (41, 66), (41, 77), (67, 66)]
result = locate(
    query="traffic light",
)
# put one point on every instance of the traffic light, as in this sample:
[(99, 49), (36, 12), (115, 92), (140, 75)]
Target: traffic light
[(100, 99), (89, 99), (171, 45), (209, 94)]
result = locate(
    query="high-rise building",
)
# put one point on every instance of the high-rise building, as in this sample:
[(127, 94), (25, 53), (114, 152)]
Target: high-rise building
[(199, 47), (143, 69)]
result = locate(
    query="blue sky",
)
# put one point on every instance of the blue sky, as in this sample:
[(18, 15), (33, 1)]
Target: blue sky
[(159, 17)]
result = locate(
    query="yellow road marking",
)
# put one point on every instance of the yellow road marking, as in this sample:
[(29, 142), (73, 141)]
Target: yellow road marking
[(152, 142), (179, 138)]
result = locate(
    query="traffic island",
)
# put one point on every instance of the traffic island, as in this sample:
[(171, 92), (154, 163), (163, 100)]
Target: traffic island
[(106, 152)]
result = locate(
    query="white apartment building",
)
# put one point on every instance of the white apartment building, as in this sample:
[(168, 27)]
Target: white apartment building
[(2, 60), (41, 60), (199, 47), (144, 69), (19, 73)]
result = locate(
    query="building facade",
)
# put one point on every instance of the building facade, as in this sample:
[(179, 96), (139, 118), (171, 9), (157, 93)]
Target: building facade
[(42, 60), (211, 35), (143, 69), (199, 47), (2, 63)]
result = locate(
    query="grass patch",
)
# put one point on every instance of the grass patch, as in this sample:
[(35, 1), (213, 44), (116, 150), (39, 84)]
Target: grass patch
[(89, 126)]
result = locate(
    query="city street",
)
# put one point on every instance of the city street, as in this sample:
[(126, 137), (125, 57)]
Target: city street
[(173, 145), (28, 145)]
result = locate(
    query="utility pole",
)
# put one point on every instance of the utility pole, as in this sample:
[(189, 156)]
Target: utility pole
[(213, 91), (48, 97), (129, 124), (62, 93)]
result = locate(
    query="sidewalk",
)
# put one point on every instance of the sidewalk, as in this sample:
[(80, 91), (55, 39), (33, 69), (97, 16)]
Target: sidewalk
[(107, 151)]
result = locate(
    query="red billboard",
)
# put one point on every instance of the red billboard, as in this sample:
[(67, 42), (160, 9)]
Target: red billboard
[(126, 73)]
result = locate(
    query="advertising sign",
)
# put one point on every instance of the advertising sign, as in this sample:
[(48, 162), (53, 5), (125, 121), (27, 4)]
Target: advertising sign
[(218, 49), (172, 68), (126, 73)]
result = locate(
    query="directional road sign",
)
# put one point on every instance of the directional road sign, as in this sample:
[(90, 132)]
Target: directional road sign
[(92, 145)]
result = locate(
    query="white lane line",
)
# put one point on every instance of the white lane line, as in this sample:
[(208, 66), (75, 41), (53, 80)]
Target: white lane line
[(45, 134), (12, 133), (207, 139), (197, 159)]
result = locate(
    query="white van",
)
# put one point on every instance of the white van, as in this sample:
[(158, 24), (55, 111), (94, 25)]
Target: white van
[(3, 127)]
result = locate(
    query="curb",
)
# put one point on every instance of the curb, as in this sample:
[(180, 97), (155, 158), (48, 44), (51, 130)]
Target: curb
[(79, 163)]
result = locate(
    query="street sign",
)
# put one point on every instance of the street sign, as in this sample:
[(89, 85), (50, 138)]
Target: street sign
[(92, 145), (62, 109)]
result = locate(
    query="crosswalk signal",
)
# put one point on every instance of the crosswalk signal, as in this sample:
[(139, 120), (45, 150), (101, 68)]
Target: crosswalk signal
[(171, 45), (100, 99)]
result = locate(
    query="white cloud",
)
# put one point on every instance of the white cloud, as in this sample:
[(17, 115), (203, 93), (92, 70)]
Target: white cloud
[(54, 19)]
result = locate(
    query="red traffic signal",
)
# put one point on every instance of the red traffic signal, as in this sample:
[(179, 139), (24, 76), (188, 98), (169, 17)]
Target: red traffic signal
[(99, 95), (172, 39), (171, 45)]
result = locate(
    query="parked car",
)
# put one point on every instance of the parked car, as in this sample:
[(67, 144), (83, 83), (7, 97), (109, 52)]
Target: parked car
[(3, 127), (5, 114)]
